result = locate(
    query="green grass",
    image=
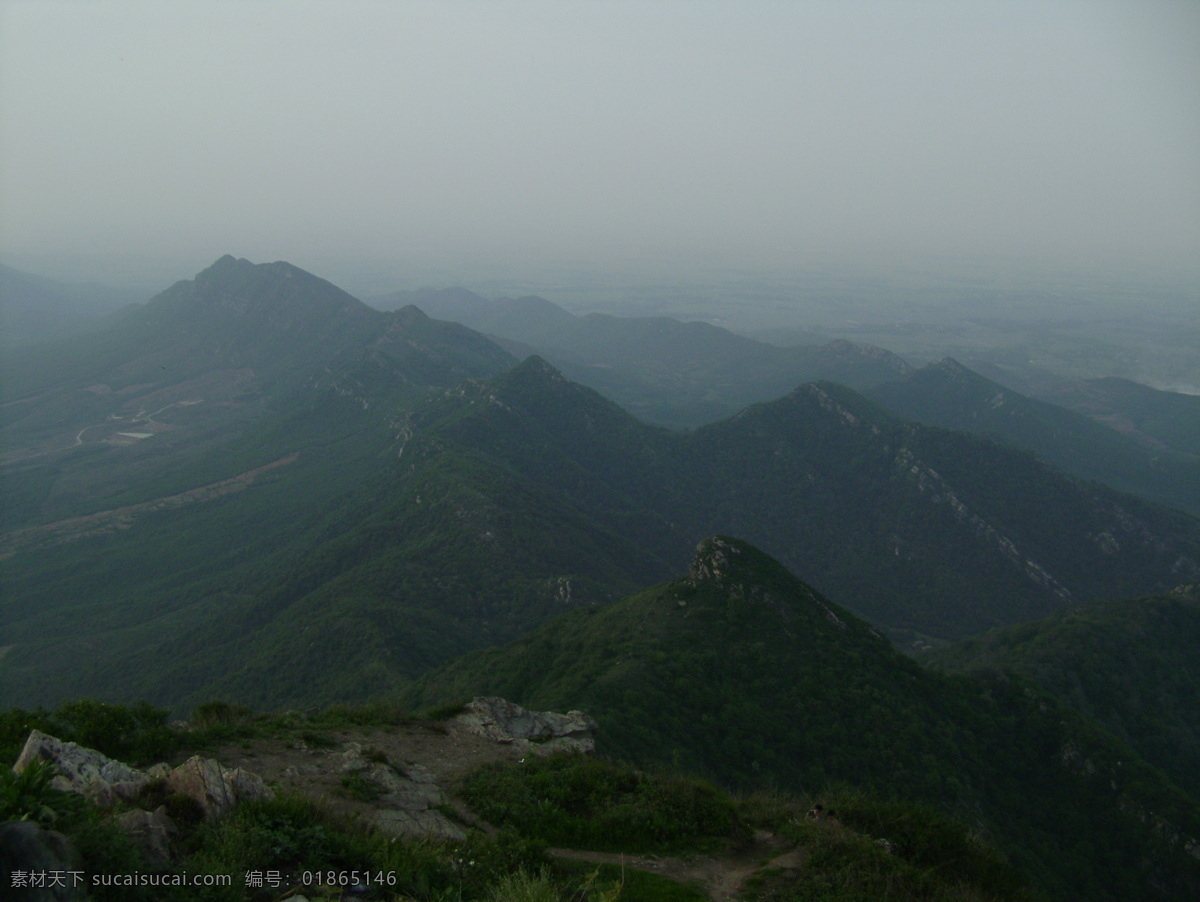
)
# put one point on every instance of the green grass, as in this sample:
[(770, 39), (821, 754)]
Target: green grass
[(633, 885), (360, 787), (136, 734), (880, 849), (583, 802)]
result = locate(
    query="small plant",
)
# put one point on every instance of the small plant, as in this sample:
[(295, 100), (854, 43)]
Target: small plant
[(28, 796), (218, 713), (315, 740), (374, 755), (360, 787), (218, 721), (445, 712), (522, 886), (594, 891)]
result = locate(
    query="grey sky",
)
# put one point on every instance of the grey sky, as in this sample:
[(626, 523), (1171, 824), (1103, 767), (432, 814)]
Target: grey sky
[(753, 132)]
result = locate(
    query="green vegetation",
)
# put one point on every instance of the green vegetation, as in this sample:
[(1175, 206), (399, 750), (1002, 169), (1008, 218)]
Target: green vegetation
[(1129, 665), (848, 867), (571, 801), (925, 854), (292, 836), (138, 733), (582, 802), (424, 525), (360, 787), (950, 396), (405, 498), (610, 882), (745, 675), (28, 796)]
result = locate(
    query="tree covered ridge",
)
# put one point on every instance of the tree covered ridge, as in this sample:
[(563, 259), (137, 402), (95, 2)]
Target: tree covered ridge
[(741, 672), (1129, 664)]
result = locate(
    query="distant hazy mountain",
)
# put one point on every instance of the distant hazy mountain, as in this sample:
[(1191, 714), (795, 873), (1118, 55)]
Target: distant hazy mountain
[(35, 309), (201, 367), (257, 486), (677, 374), (741, 671), (950, 395), (914, 527), (1159, 419), (213, 486), (1131, 665)]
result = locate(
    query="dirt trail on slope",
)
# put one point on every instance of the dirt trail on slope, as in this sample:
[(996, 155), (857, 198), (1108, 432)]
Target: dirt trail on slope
[(73, 528), (719, 877)]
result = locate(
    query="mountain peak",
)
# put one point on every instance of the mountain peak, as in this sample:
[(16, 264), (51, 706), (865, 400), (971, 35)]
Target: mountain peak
[(735, 564), (227, 262), (718, 559), (534, 371), (950, 367), (408, 314), (277, 291)]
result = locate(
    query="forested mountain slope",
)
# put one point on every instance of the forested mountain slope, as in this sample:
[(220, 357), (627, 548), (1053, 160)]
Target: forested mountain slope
[(950, 395), (1160, 419), (1131, 665), (741, 671), (263, 488), (917, 528), (677, 374)]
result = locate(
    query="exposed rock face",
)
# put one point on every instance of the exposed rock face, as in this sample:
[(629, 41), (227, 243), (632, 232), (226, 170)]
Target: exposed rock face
[(542, 732), (106, 782), (92, 774), (407, 795), (713, 560), (379, 781), (152, 831), (82, 770), (216, 788)]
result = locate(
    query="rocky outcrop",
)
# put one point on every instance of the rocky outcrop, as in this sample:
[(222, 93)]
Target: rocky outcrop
[(376, 779), (82, 770), (713, 560), (105, 781), (541, 732), (407, 795), (152, 832), (216, 788)]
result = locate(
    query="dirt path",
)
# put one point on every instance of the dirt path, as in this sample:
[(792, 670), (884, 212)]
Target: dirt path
[(719, 877), (60, 531)]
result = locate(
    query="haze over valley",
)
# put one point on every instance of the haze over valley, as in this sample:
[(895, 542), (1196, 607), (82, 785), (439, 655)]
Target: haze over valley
[(808, 393)]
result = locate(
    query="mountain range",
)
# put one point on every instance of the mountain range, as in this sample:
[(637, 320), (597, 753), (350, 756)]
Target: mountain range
[(256, 487), (662, 370), (949, 395), (1129, 664), (1159, 419), (35, 309), (255, 479), (686, 374)]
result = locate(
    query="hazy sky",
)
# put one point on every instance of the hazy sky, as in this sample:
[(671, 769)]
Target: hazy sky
[(749, 132)]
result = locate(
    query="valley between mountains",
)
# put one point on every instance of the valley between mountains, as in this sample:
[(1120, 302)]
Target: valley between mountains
[(804, 569)]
